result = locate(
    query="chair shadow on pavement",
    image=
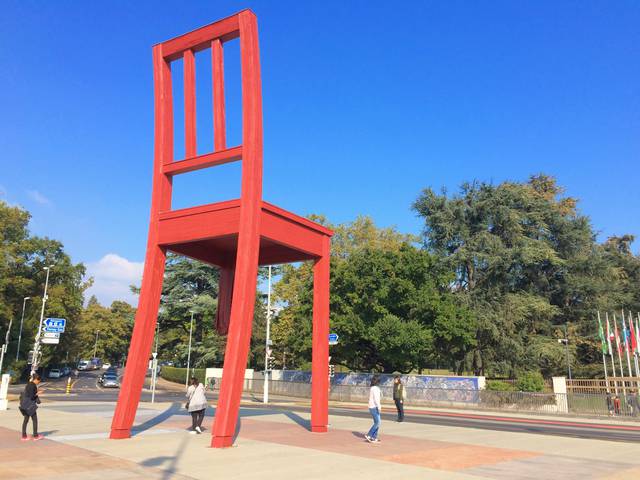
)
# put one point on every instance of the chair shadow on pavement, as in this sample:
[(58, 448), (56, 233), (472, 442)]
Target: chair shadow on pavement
[(167, 464), (158, 419), (303, 422)]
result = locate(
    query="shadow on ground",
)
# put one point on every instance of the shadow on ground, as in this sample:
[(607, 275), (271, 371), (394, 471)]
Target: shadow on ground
[(174, 409)]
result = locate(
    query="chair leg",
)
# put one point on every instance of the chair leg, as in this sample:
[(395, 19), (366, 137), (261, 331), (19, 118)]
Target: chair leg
[(320, 355), (141, 341), (225, 294), (238, 341)]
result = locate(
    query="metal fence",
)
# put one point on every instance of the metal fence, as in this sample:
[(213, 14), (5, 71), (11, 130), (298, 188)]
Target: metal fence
[(581, 404)]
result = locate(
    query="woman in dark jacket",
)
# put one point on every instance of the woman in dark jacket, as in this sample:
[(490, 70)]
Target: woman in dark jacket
[(28, 405)]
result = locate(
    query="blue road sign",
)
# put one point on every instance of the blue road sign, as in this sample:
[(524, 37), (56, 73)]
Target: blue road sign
[(333, 338), (54, 325)]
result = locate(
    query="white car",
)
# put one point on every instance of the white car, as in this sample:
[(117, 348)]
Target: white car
[(55, 373), (106, 366)]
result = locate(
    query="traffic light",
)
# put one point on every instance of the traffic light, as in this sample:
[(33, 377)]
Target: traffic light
[(332, 370)]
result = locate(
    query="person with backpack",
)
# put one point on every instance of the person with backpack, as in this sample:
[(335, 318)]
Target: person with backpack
[(29, 402), (374, 410), (196, 404), (399, 396)]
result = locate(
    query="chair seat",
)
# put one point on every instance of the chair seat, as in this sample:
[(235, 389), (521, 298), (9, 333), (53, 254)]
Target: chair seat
[(209, 233)]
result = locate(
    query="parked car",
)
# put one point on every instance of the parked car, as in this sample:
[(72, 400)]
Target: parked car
[(85, 365), (110, 380), (106, 366), (55, 373), (66, 371)]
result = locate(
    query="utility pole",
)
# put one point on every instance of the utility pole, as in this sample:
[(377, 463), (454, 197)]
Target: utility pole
[(36, 344), (265, 390), (24, 302), (565, 340), (95, 345), (186, 382)]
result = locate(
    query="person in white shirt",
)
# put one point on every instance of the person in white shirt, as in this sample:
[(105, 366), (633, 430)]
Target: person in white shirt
[(196, 404), (374, 409)]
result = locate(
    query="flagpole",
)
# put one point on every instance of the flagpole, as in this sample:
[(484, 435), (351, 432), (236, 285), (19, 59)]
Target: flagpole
[(613, 362), (634, 348), (626, 334), (603, 349), (615, 326)]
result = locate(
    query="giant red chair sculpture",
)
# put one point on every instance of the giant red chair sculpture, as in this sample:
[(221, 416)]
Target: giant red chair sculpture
[(236, 235)]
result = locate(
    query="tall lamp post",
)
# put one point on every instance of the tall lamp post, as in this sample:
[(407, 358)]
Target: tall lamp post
[(265, 389), (36, 343), (24, 302), (186, 382)]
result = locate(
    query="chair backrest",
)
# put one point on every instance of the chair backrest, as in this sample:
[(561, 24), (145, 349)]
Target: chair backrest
[(242, 25)]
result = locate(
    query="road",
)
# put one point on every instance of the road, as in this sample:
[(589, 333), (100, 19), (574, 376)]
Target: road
[(87, 388)]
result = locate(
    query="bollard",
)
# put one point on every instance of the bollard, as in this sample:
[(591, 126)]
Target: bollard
[(68, 385)]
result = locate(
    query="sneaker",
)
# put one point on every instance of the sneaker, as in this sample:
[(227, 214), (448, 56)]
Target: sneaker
[(198, 429), (37, 437), (192, 432), (367, 438), (375, 440), (24, 439)]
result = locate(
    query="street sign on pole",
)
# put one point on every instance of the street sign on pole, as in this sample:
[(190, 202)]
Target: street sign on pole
[(54, 324), (50, 341), (333, 338), (51, 335)]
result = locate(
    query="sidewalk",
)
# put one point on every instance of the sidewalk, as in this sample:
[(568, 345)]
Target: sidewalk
[(278, 444)]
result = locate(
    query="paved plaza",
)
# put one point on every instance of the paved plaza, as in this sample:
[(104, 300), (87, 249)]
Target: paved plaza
[(277, 444)]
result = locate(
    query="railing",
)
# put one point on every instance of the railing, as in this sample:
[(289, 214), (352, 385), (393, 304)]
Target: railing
[(580, 404), (621, 385)]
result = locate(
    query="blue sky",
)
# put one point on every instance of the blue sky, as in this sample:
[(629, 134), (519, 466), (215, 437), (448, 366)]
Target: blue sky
[(365, 104)]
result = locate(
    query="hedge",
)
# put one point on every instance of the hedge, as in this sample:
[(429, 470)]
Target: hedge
[(178, 375)]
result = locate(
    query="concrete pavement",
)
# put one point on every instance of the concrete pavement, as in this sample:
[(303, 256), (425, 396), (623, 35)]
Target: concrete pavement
[(277, 444)]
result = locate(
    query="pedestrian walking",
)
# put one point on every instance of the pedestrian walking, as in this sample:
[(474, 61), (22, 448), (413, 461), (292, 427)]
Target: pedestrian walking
[(616, 405), (635, 403), (196, 404), (374, 410), (29, 402), (399, 396), (610, 403)]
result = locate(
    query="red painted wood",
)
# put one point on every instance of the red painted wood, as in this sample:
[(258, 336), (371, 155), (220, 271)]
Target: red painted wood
[(237, 235), (320, 342), (204, 161), (217, 71), (147, 312), (200, 39), (244, 287), (225, 294), (190, 105)]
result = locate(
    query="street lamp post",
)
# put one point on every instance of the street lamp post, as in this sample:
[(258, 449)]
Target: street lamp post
[(186, 382), (566, 347), (24, 302), (36, 344), (265, 390), (95, 345)]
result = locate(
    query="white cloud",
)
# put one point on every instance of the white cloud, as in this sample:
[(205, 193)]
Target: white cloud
[(38, 197), (112, 275)]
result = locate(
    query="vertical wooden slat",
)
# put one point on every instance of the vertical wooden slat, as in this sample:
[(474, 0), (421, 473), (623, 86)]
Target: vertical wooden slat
[(217, 67), (189, 104)]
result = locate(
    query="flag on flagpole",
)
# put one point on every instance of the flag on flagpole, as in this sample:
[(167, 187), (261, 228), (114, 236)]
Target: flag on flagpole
[(634, 337), (609, 337), (601, 333), (637, 338), (603, 344), (615, 329)]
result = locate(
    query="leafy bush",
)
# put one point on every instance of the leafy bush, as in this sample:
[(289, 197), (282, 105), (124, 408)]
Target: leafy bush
[(178, 375), (500, 386), (530, 382)]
